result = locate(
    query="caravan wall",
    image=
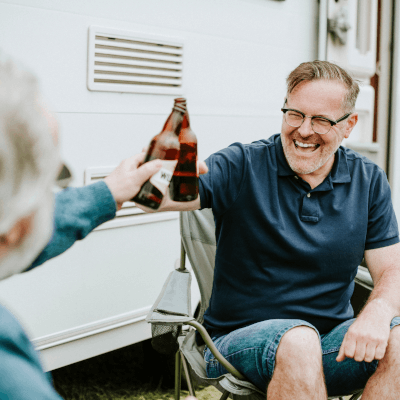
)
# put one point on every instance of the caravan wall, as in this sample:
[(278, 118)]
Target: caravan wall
[(234, 56)]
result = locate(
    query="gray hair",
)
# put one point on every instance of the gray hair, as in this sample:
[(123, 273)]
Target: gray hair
[(314, 70), (29, 158)]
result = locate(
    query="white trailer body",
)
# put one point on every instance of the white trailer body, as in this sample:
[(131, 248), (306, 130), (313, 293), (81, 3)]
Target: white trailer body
[(235, 56)]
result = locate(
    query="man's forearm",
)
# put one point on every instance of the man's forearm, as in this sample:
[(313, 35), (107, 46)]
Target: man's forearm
[(77, 212), (169, 205), (384, 266), (386, 294)]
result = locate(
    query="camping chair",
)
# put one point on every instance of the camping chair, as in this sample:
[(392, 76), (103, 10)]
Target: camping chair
[(172, 311)]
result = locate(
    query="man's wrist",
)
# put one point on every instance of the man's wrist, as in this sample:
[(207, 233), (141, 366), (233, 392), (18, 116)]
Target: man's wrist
[(381, 308)]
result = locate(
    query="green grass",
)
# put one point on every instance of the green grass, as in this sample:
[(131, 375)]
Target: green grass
[(135, 372), (132, 373)]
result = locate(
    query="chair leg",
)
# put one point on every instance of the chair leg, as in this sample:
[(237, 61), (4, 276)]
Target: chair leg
[(178, 372), (188, 376), (225, 395)]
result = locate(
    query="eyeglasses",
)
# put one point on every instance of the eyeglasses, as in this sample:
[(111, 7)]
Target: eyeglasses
[(64, 177), (320, 125)]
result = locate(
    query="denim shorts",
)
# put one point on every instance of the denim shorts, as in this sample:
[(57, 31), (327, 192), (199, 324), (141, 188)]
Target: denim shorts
[(251, 350)]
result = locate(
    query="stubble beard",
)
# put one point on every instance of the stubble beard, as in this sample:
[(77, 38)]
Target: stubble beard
[(297, 166)]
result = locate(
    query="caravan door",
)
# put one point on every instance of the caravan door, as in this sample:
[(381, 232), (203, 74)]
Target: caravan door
[(351, 42)]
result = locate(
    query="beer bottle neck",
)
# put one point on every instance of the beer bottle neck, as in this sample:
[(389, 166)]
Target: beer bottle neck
[(174, 122), (185, 121)]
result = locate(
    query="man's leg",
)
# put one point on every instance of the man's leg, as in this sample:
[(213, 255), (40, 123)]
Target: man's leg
[(385, 382), (253, 351), (298, 370)]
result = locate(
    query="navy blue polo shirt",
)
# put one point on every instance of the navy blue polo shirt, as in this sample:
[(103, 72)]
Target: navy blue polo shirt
[(284, 250)]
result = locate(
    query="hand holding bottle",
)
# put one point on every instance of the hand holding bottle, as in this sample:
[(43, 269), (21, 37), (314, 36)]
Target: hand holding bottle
[(169, 205), (164, 146), (127, 179), (176, 146)]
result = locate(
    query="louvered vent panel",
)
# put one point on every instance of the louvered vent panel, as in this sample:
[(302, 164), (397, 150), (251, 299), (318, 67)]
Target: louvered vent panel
[(121, 61), (129, 213)]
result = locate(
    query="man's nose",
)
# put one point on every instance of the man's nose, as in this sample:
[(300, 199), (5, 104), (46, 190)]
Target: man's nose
[(306, 129)]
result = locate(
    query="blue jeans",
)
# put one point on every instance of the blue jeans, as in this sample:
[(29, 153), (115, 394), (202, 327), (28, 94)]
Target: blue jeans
[(252, 350)]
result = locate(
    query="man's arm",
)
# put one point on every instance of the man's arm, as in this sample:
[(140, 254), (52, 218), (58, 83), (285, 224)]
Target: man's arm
[(80, 210), (368, 337), (168, 205)]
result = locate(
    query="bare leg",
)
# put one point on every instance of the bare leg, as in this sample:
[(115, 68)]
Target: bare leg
[(298, 370), (385, 382)]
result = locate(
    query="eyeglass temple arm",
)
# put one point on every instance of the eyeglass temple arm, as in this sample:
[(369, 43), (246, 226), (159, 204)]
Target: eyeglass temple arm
[(343, 118)]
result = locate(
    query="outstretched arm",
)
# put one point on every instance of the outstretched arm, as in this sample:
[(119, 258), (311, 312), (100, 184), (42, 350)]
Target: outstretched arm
[(80, 210)]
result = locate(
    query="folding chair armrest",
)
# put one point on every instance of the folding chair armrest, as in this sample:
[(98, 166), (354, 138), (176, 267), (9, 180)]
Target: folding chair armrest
[(173, 304), (225, 363), (156, 318), (364, 278)]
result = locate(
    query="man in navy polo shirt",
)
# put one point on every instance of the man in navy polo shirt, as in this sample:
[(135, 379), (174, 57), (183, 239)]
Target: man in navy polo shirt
[(295, 215)]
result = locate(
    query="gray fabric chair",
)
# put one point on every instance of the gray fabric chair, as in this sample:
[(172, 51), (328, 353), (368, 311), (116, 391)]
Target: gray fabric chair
[(172, 311)]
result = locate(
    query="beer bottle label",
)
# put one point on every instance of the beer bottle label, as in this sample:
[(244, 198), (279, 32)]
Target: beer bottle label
[(162, 178)]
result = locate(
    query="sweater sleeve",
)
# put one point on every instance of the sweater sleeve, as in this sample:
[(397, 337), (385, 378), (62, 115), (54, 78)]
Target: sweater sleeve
[(21, 374), (77, 212)]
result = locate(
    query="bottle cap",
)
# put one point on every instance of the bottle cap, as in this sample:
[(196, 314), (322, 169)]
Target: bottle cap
[(180, 105)]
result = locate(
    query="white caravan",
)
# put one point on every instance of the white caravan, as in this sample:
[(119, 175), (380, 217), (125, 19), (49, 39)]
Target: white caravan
[(110, 72)]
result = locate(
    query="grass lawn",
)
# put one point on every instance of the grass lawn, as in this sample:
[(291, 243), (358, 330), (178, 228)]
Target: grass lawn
[(132, 373), (135, 372)]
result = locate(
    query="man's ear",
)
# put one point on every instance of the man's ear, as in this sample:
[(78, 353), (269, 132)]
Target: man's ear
[(16, 234), (350, 124)]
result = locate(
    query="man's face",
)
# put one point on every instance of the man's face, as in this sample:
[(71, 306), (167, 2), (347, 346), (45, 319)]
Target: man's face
[(24, 241), (306, 151)]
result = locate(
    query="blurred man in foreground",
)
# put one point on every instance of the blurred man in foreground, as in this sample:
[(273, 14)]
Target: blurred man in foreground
[(29, 166)]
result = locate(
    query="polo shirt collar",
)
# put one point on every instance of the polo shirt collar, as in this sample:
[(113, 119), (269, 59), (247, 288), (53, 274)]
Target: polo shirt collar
[(339, 173)]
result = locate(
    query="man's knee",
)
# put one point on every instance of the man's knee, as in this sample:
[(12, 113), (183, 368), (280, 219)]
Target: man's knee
[(299, 343)]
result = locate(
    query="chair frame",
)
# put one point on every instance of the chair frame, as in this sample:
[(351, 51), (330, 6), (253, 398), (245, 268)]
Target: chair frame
[(180, 361)]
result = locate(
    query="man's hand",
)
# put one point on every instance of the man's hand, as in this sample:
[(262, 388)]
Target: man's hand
[(127, 179), (367, 338), (168, 205)]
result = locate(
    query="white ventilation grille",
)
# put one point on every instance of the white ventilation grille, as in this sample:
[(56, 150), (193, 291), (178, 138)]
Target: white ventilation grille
[(129, 213), (120, 61)]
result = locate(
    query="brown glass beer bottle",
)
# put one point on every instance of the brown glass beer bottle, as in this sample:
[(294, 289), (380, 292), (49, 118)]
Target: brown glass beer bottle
[(184, 185), (164, 146)]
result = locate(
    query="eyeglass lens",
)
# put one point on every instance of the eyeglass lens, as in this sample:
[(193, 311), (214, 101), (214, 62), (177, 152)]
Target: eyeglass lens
[(319, 125)]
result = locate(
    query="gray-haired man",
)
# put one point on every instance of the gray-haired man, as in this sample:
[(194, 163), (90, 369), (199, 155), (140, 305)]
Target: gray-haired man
[(29, 165)]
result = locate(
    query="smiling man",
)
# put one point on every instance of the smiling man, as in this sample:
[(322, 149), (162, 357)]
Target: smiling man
[(310, 142), (295, 215)]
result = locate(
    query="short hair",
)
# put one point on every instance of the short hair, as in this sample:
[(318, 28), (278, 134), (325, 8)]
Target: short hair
[(315, 70), (29, 159)]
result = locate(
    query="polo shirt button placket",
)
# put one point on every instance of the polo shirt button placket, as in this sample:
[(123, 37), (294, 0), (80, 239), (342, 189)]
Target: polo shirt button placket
[(310, 208)]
